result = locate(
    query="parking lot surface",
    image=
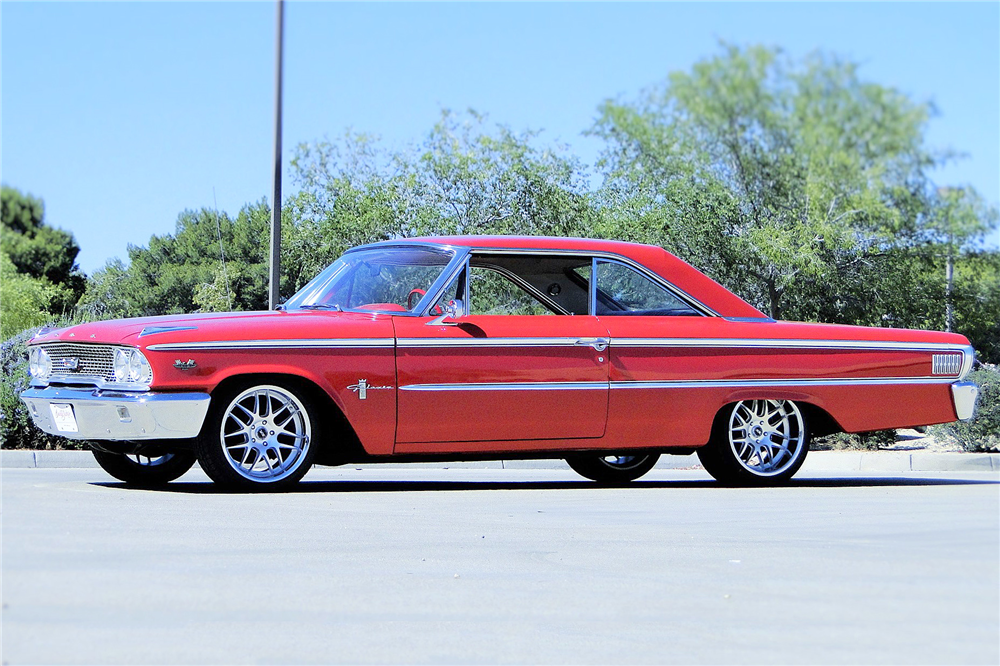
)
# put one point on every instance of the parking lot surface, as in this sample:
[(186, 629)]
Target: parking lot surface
[(421, 565)]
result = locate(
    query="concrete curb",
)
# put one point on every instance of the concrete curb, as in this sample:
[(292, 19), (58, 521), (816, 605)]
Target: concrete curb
[(828, 461)]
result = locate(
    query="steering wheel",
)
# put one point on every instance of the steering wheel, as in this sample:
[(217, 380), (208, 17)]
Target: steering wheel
[(414, 297)]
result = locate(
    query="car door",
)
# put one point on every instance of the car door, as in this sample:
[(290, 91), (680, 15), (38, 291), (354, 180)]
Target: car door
[(513, 367), (651, 402)]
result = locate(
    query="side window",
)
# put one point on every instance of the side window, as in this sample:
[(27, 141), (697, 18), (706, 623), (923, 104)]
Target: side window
[(490, 293), (621, 290)]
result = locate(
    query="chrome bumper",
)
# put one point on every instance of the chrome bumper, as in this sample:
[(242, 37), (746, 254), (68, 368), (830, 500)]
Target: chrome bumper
[(117, 415), (964, 395)]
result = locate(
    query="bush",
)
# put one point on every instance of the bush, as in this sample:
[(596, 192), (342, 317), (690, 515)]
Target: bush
[(16, 429), (982, 433), (864, 441)]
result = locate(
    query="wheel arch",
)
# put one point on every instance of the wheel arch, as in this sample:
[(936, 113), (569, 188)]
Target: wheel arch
[(340, 442), (819, 421)]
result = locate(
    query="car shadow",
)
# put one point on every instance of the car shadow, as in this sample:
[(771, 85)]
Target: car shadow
[(404, 486)]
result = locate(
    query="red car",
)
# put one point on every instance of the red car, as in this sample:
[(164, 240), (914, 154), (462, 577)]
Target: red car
[(604, 353)]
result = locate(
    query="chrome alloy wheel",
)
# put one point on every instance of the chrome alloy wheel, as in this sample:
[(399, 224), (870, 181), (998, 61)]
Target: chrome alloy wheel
[(265, 434), (766, 436)]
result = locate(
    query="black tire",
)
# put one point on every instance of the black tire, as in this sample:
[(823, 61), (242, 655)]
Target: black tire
[(259, 436), (612, 469), (145, 471), (756, 442)]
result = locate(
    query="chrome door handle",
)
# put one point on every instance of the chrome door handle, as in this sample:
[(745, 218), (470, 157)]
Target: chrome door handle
[(599, 344)]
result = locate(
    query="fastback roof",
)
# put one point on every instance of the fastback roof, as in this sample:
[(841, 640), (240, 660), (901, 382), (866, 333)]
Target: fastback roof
[(674, 270)]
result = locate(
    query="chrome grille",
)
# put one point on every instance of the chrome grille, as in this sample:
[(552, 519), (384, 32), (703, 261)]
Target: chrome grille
[(91, 360), (946, 364)]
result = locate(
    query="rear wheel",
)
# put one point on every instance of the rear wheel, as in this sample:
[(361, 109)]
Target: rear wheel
[(757, 442), (259, 437), (612, 468), (145, 471)]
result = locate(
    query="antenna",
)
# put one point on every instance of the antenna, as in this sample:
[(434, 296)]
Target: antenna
[(218, 228)]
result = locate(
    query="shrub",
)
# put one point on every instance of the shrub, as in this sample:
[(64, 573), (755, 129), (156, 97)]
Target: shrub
[(982, 433), (864, 441), (16, 429)]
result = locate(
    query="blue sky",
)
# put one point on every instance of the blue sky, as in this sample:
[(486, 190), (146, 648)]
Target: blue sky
[(121, 115)]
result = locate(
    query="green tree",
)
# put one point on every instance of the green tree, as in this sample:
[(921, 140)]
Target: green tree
[(24, 300), (766, 170), (166, 276), (39, 251), (466, 176)]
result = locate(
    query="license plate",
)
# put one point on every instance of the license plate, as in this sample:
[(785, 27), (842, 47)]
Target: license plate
[(64, 418)]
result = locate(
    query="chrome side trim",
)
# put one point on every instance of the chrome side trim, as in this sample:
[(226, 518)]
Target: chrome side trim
[(408, 343), (153, 330), (511, 386), (356, 343), (964, 396), (778, 383), (785, 343), (111, 415)]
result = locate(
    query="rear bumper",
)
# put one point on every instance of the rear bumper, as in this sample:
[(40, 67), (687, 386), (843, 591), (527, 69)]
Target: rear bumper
[(964, 395), (116, 415)]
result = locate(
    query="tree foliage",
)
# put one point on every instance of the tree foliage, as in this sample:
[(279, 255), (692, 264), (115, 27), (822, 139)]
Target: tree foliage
[(183, 271), (40, 267)]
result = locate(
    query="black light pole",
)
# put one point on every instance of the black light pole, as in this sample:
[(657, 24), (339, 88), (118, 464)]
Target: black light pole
[(273, 296)]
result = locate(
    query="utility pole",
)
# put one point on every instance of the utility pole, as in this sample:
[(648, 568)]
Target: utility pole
[(949, 194), (273, 295)]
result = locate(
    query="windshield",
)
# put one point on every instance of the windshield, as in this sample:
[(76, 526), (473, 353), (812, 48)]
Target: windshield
[(389, 279)]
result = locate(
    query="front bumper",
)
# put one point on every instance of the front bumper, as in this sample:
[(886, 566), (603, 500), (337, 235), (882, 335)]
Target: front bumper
[(964, 396), (116, 415)]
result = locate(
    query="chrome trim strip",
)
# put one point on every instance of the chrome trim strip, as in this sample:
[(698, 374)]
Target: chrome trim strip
[(153, 330), (778, 383), (785, 343), (511, 386), (408, 343), (355, 343)]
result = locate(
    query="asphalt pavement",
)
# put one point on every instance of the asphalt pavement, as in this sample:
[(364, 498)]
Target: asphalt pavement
[(466, 565)]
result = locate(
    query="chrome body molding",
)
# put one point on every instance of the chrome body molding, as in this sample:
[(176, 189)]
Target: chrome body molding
[(510, 386), (780, 383), (120, 416), (153, 330), (347, 343), (788, 343), (964, 395), (492, 342), (686, 384)]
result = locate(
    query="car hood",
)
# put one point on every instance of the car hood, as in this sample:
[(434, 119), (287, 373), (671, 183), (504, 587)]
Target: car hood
[(265, 325)]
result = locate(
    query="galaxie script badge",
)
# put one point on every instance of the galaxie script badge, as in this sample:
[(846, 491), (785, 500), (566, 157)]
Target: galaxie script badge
[(362, 388)]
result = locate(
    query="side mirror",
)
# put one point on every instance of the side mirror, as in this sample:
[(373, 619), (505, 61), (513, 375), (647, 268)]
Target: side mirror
[(452, 310)]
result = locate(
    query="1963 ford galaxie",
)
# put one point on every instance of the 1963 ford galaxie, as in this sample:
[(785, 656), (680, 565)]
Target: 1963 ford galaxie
[(606, 354)]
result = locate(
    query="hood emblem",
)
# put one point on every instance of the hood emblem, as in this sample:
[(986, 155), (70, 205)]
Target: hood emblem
[(362, 388), (185, 365)]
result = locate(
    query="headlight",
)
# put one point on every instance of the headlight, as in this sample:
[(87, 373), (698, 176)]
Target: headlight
[(131, 366), (39, 363)]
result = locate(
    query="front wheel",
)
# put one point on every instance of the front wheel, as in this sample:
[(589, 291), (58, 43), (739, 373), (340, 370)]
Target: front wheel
[(756, 442), (258, 437), (145, 471), (611, 469)]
